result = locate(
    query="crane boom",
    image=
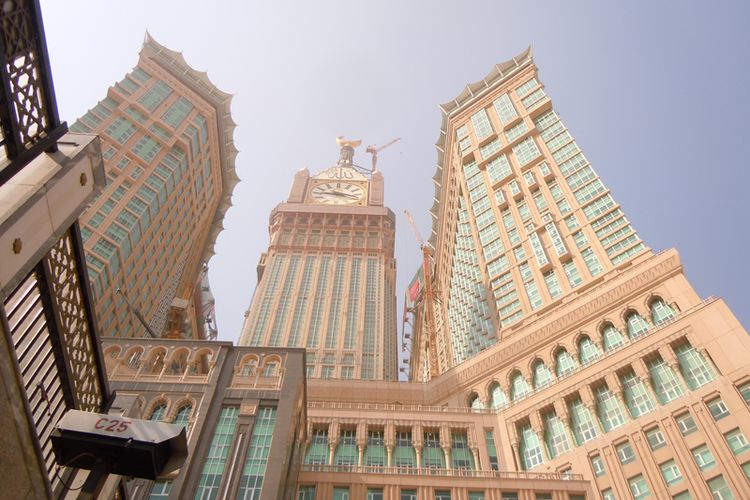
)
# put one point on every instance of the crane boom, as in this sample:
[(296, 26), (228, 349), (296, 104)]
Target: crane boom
[(429, 338), (373, 150)]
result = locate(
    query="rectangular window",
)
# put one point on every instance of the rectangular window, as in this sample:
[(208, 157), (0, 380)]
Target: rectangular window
[(505, 109), (491, 450), (598, 465), (571, 271), (120, 130), (704, 459), (608, 494), (526, 87), (339, 493), (306, 493), (481, 124), (670, 471), (442, 495), (736, 441), (526, 151), (374, 494), (745, 392), (516, 131), (146, 148), (655, 438), (625, 452), (490, 149), (408, 494), (155, 95), (718, 408), (499, 168), (720, 489), (639, 487), (553, 285), (592, 263), (686, 424)]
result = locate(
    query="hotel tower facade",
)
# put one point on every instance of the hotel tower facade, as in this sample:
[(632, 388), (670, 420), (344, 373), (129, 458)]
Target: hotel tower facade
[(167, 142)]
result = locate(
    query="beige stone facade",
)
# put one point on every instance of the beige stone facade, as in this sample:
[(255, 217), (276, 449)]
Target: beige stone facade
[(166, 134), (243, 408)]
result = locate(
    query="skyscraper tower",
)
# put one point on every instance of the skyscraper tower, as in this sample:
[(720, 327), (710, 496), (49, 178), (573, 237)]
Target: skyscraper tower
[(521, 219), (327, 281), (167, 143)]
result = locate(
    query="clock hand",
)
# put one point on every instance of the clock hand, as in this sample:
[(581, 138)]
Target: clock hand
[(339, 193)]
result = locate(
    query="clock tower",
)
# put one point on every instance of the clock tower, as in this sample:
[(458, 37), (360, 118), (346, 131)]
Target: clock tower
[(327, 281)]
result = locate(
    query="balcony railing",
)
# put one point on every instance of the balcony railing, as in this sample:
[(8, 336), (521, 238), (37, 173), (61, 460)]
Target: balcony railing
[(396, 407), (29, 122), (429, 471)]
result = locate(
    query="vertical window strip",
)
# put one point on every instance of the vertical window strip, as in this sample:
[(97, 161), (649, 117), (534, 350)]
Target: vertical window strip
[(269, 294), (213, 467), (531, 448), (334, 311), (664, 381), (256, 460), (369, 337), (694, 367), (280, 313), (555, 435), (301, 304), (584, 428), (316, 315), (491, 450)]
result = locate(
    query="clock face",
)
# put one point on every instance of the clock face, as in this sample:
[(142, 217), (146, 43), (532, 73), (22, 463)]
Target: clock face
[(338, 193)]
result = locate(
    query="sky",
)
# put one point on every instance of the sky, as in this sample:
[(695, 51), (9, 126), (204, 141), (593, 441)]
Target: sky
[(655, 94)]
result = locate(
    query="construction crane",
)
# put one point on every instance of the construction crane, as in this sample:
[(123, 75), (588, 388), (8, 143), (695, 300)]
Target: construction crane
[(428, 339), (373, 150)]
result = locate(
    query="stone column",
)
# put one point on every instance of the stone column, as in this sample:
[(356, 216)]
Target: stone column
[(589, 401), (641, 371), (535, 419)]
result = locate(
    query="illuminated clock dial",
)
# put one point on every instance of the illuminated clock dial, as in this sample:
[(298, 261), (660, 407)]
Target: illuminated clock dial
[(338, 193)]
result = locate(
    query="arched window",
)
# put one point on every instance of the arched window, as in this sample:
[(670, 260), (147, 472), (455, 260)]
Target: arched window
[(637, 326), (249, 367), (564, 363), (542, 375), (156, 363), (183, 416), (498, 399), (177, 364), (611, 337), (587, 350), (519, 388), (475, 402), (661, 311), (112, 352), (134, 360), (157, 414)]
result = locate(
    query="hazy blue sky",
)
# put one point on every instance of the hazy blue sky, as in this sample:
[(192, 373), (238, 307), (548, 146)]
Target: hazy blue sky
[(655, 93)]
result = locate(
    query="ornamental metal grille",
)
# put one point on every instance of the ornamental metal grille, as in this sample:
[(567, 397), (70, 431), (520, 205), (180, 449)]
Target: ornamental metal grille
[(76, 336), (28, 111)]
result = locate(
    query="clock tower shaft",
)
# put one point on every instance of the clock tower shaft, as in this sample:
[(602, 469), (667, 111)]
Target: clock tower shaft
[(327, 280)]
